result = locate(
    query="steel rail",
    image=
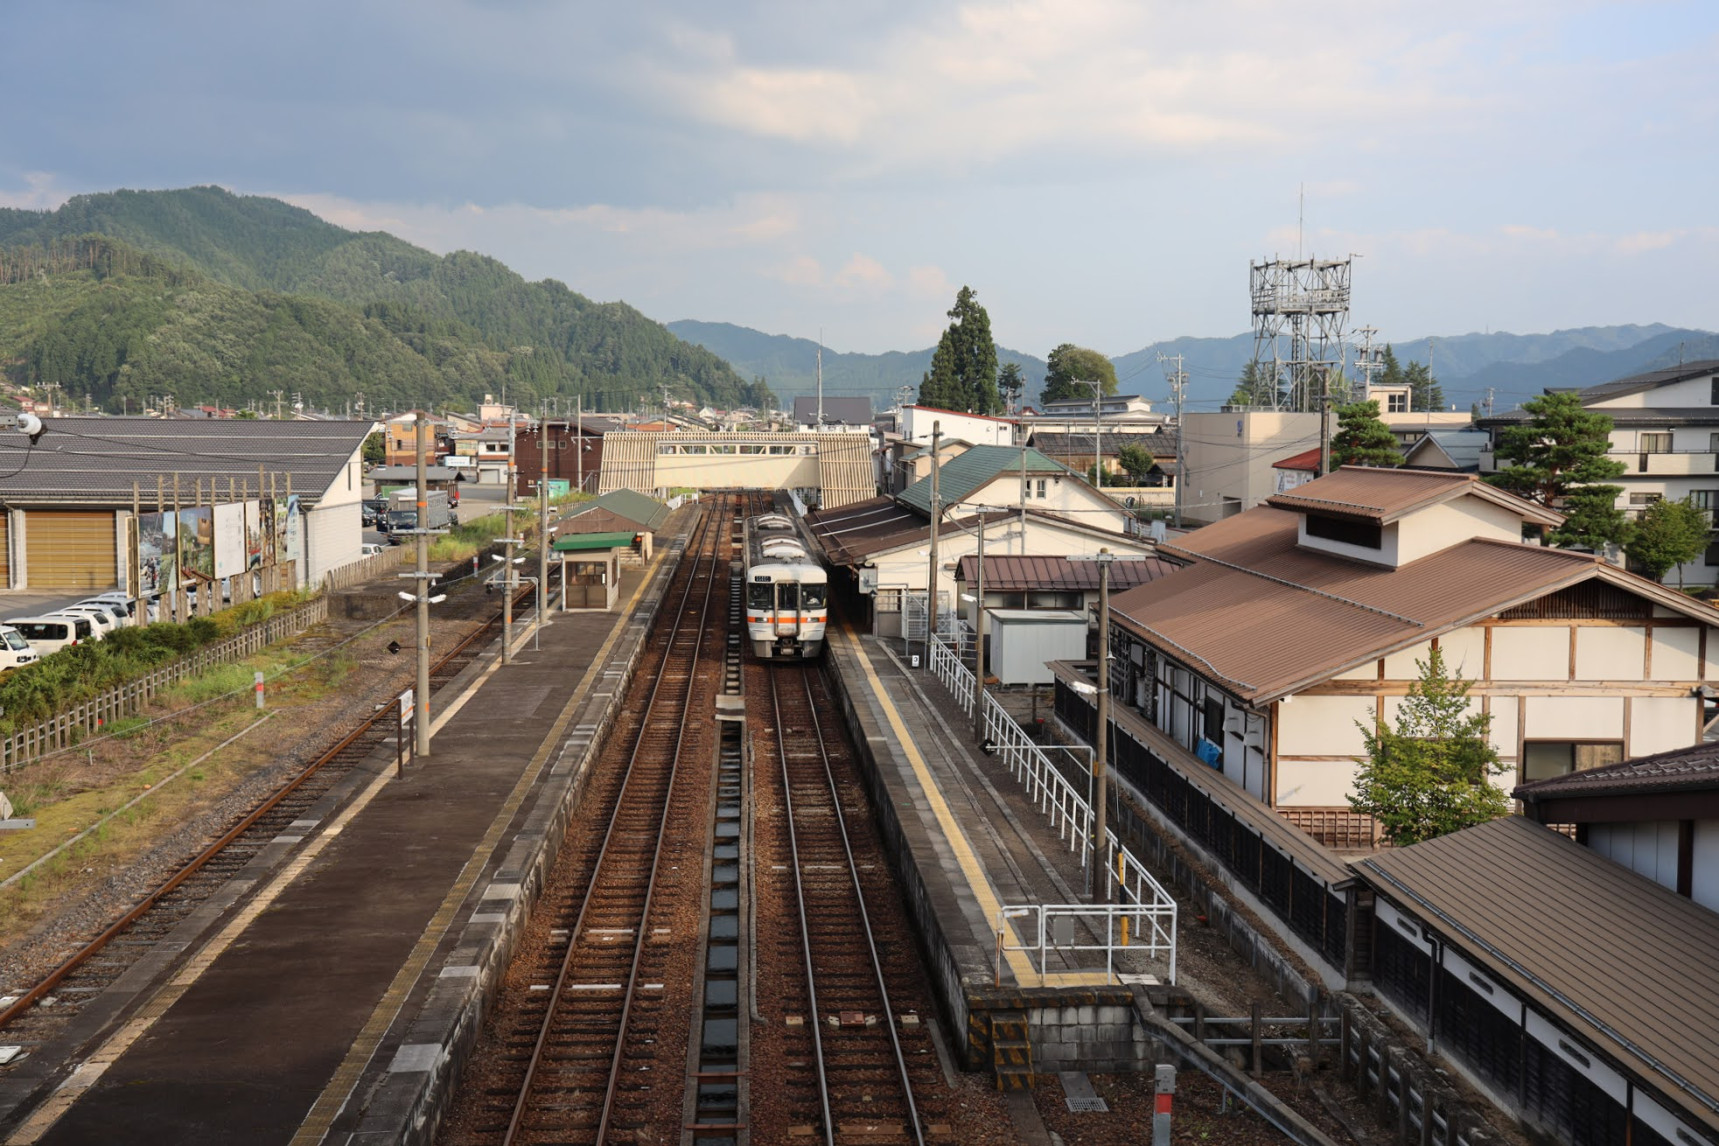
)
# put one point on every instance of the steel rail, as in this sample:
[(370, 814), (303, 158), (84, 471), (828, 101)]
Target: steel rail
[(521, 1102), (154, 898), (859, 900)]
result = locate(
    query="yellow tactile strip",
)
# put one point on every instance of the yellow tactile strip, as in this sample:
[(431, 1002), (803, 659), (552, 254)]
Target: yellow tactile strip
[(971, 869)]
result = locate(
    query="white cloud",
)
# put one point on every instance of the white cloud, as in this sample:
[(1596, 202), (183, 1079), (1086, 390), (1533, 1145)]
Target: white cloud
[(864, 272), (41, 192)]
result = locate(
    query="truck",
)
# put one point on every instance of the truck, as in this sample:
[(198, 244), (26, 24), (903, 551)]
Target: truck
[(402, 516)]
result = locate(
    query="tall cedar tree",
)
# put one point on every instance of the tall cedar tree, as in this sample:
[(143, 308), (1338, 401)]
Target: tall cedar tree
[(1669, 534), (1068, 370), (1559, 460), (1433, 773), (1362, 439), (1391, 374), (1255, 387), (963, 374), (1424, 391)]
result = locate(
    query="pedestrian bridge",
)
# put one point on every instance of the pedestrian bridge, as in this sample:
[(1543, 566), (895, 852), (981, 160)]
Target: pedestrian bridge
[(838, 466)]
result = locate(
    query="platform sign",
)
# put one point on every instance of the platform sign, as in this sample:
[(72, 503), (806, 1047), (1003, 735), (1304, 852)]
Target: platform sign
[(406, 707)]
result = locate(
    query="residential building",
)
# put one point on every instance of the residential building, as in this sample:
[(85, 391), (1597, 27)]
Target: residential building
[(1299, 622), (1657, 815), (1457, 450), (907, 462), (1227, 458), (838, 411), (1004, 476), (1124, 412), (1295, 470), (400, 439), (575, 453), (1666, 432), (915, 424)]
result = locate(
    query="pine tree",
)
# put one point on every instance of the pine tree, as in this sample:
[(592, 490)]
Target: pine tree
[(1010, 384), (1362, 439), (1560, 461), (1254, 387), (1424, 391)]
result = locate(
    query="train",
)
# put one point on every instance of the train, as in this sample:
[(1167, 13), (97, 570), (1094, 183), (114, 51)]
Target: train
[(787, 591)]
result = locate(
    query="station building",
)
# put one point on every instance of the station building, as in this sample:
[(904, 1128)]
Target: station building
[(67, 502)]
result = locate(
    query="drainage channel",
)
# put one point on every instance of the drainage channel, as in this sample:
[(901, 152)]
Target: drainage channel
[(718, 1096)]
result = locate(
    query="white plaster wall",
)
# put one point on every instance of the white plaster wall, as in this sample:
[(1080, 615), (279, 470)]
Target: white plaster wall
[(1677, 654), (1505, 711), (1606, 652), (1401, 665), (1465, 652), (1068, 496), (1661, 723), (1648, 848), (1530, 652), (1441, 526), (1693, 392), (1367, 671), (1572, 717), (1704, 886), (1314, 783), (1322, 725)]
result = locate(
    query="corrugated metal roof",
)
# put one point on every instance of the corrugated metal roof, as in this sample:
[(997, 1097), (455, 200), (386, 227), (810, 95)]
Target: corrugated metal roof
[(1383, 494), (1305, 460), (646, 511), (1682, 769), (1630, 965), (1636, 383), (595, 519), (964, 475), (1015, 573), (575, 542), (1268, 617), (1646, 416), (848, 534), (94, 461)]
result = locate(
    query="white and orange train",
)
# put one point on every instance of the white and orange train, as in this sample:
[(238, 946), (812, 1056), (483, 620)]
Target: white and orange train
[(787, 592)]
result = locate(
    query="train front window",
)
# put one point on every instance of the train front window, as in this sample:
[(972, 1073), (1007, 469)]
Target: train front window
[(788, 596), (815, 596), (758, 596)]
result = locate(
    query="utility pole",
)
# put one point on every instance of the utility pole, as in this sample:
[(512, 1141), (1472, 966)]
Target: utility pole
[(542, 522), (508, 540), (579, 444), (421, 702), (936, 510), (1324, 423), (979, 639), (1178, 387), (1098, 869), (820, 426)]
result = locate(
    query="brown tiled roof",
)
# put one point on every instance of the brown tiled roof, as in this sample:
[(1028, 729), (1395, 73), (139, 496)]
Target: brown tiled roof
[(1628, 964), (1268, 618), (1014, 573), (1384, 495), (1679, 770)]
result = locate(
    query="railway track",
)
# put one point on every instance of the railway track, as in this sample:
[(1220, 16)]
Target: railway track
[(99, 963), (591, 1049), (857, 1057)]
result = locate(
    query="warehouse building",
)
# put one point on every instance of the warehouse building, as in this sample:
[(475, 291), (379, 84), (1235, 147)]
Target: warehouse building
[(66, 503)]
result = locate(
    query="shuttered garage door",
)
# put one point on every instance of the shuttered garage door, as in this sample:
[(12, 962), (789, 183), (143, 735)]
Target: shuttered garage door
[(5, 552), (69, 550)]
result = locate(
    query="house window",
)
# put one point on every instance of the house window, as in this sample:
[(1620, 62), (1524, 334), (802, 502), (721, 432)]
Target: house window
[(1041, 488), (1715, 396), (1396, 403), (1656, 443), (1705, 500), (1642, 500), (1543, 759), (1365, 534)]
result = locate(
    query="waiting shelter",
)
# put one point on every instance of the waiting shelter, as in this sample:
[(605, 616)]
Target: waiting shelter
[(591, 569)]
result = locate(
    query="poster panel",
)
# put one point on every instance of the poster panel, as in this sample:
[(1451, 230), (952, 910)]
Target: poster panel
[(197, 543), (254, 534), (155, 553), (293, 535), (230, 551)]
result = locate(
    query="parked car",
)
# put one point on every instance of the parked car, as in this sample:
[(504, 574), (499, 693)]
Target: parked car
[(51, 634), (104, 621), (370, 548), (372, 510), (126, 607), (15, 650)]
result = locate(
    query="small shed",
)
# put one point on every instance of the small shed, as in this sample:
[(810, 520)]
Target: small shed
[(1022, 640), (591, 569)]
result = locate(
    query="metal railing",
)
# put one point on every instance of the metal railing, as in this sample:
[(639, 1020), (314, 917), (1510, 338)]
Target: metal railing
[(1140, 896), (1149, 929)]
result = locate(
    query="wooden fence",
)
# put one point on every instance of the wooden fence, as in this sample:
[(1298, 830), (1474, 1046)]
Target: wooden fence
[(80, 720), (352, 573)]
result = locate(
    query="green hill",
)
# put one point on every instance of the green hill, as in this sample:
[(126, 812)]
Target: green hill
[(222, 298)]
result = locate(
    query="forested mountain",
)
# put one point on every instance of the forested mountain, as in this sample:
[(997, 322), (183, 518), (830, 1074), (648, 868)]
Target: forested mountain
[(219, 298), (790, 364)]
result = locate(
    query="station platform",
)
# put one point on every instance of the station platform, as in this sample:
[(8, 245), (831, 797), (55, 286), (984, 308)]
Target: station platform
[(336, 1002)]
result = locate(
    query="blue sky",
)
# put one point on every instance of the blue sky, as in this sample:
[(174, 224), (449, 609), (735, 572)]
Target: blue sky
[(1100, 171)]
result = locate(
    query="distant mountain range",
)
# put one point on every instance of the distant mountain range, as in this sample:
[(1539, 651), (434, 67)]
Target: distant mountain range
[(223, 299), (1514, 366)]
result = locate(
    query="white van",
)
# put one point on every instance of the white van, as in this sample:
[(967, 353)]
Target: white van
[(51, 634), (15, 650), (102, 616)]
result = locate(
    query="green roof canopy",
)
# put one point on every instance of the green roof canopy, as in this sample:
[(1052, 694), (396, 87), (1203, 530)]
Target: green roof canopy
[(579, 541), (963, 475)]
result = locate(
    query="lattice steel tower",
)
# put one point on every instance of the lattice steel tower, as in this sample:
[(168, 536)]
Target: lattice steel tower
[(1299, 309)]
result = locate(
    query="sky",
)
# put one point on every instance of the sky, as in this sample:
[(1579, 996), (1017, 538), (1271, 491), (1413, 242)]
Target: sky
[(1100, 172)]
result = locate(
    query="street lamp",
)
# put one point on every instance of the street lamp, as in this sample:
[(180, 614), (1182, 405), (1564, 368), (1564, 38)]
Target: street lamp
[(1098, 886)]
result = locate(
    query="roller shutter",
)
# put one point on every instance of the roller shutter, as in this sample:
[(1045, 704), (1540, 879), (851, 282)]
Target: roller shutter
[(5, 551), (69, 550)]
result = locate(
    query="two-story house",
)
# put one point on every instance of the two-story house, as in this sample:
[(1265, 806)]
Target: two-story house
[(1666, 432), (1299, 622)]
